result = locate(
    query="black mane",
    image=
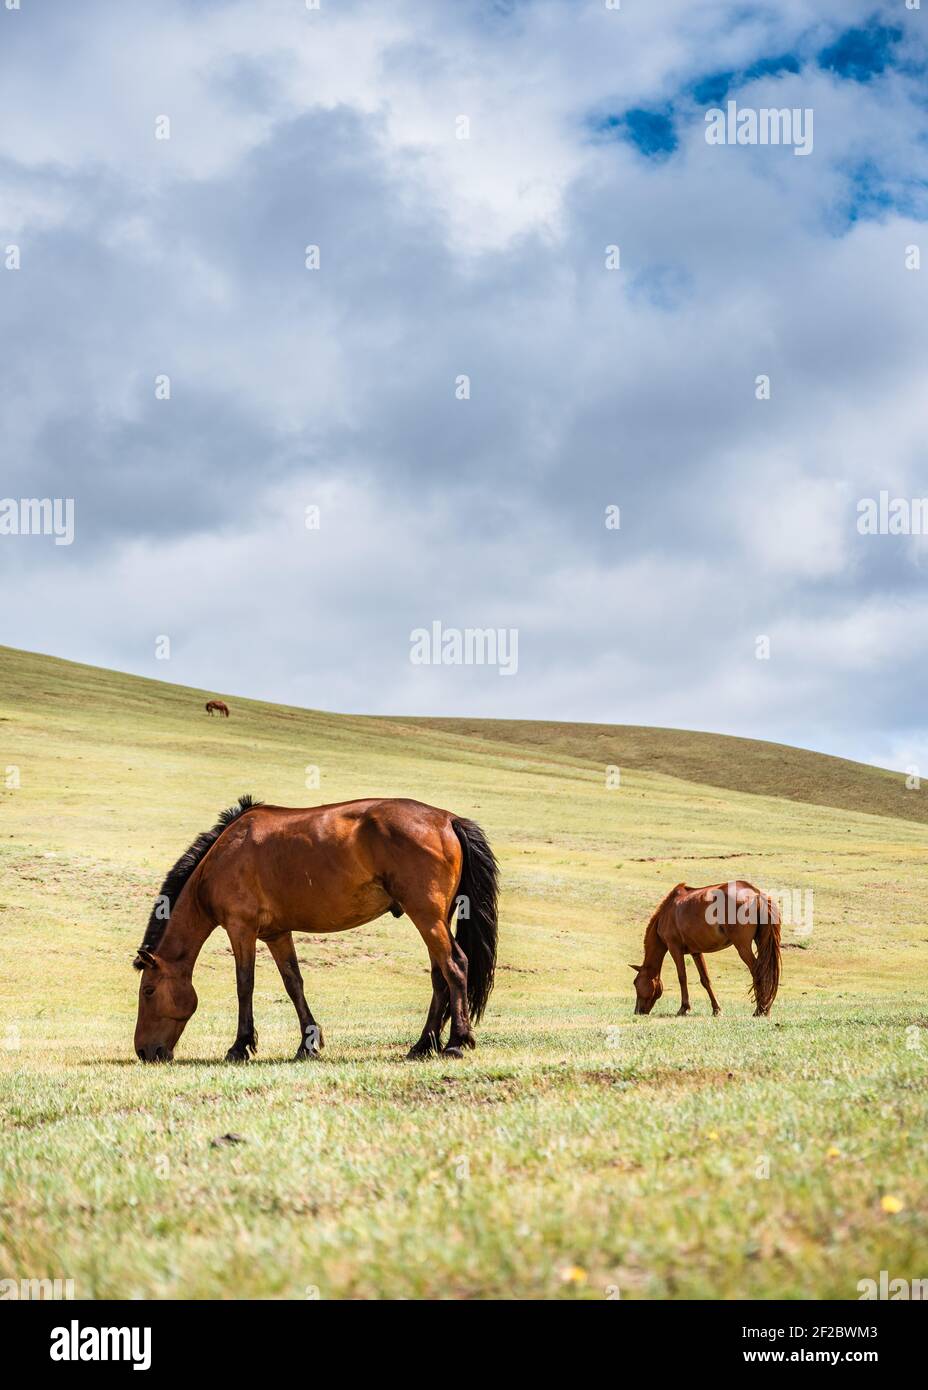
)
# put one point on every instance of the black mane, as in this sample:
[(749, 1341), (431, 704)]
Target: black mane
[(173, 884)]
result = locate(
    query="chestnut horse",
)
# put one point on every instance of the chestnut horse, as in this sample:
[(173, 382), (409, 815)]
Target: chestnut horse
[(264, 872), (696, 921), (219, 706)]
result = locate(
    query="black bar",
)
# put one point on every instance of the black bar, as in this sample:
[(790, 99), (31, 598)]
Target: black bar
[(226, 1337)]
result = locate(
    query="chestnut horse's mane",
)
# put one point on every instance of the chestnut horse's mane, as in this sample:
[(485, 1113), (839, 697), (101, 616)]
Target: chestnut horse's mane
[(178, 876), (659, 911)]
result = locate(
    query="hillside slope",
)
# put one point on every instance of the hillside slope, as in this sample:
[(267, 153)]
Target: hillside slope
[(750, 766), (716, 760)]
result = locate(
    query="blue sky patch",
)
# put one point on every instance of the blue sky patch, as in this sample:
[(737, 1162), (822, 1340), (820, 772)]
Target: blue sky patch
[(871, 194), (712, 89), (651, 132), (859, 54), (772, 67)]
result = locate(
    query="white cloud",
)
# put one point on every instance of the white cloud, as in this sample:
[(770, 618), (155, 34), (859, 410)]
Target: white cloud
[(482, 256)]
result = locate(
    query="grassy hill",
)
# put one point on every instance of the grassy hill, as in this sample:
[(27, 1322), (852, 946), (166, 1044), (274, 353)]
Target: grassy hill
[(715, 760), (580, 1150)]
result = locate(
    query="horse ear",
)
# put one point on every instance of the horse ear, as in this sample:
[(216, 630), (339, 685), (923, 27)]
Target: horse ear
[(636, 968), (144, 959)]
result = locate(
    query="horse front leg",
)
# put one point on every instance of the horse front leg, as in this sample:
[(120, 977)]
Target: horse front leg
[(243, 941), (680, 963), (284, 953)]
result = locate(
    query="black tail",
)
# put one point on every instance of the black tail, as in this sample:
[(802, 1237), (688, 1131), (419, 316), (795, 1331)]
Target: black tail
[(172, 885), (476, 932)]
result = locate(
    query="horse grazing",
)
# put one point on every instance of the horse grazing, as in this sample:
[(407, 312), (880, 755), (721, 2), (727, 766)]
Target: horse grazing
[(219, 706), (264, 872), (696, 921)]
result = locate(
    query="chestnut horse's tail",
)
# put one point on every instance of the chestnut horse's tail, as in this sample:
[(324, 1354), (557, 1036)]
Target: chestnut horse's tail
[(476, 932), (767, 969)]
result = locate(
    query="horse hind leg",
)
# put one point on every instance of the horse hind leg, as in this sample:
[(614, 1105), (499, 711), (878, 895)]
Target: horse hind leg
[(445, 955), (747, 955), (430, 1042), (706, 983)]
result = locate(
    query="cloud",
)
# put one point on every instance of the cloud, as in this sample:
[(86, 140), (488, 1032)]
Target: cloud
[(459, 174)]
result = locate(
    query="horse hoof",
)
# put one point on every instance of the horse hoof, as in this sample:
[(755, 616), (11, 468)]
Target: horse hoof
[(453, 1052), (306, 1054), (233, 1056), (429, 1045)]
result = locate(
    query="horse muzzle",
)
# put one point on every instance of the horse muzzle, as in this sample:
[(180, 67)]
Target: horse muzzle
[(154, 1053)]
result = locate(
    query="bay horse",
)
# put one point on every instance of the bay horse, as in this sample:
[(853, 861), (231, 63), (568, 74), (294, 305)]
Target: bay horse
[(219, 706), (696, 921), (264, 872)]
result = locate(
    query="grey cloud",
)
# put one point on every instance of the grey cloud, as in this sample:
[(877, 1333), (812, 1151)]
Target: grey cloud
[(588, 387)]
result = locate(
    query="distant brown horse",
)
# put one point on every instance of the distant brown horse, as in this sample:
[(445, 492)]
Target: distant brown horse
[(264, 872), (696, 921), (219, 706)]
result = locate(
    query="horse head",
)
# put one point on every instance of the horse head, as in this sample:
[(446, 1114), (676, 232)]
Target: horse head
[(648, 988), (167, 999)]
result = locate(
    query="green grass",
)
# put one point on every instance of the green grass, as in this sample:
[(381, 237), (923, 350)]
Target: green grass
[(580, 1150)]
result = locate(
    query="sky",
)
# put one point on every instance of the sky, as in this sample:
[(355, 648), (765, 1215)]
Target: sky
[(464, 384)]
